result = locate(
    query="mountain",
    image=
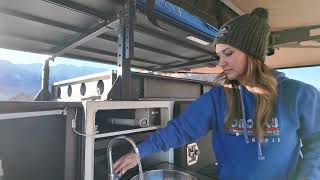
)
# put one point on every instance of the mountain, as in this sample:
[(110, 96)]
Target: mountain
[(23, 81)]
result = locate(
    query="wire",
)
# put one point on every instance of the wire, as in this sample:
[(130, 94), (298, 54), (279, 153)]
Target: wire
[(73, 125)]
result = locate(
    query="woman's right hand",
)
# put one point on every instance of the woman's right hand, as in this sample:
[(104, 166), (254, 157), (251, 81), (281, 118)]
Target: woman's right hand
[(125, 163)]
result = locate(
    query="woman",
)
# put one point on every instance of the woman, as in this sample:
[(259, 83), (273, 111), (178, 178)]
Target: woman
[(258, 116)]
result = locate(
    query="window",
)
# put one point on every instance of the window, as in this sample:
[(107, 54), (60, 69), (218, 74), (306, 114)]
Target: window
[(21, 73), (309, 75)]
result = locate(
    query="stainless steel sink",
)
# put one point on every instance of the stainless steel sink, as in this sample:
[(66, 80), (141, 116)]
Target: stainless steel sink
[(165, 174)]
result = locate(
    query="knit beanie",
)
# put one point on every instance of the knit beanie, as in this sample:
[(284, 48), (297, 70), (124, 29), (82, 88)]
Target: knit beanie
[(248, 33)]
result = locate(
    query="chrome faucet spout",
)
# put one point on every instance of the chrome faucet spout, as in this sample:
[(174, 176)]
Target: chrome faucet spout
[(111, 175)]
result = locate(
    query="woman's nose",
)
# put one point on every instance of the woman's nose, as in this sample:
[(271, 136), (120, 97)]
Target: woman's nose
[(222, 63)]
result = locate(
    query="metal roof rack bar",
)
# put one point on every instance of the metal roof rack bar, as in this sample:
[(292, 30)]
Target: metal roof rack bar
[(152, 33), (100, 15), (81, 30), (176, 66)]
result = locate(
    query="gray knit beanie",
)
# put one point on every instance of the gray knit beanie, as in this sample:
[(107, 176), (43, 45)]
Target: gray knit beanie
[(248, 33)]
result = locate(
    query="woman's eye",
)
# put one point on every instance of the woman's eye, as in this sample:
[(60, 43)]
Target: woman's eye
[(228, 53)]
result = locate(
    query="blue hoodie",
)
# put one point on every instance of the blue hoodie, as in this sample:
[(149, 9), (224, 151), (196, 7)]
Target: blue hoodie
[(297, 119)]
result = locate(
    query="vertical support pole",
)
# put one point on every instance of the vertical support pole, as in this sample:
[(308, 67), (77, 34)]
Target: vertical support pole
[(90, 117), (44, 94), (126, 48), (45, 76)]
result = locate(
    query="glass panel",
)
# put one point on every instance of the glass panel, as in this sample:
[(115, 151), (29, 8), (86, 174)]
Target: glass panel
[(309, 75)]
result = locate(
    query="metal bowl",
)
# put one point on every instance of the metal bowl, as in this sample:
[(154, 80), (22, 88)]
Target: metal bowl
[(165, 174)]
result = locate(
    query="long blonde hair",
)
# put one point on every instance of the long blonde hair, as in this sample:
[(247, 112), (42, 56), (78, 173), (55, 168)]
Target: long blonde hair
[(262, 83)]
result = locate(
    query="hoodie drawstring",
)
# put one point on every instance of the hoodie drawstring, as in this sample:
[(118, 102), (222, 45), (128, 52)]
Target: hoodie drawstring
[(244, 121), (244, 125), (260, 155)]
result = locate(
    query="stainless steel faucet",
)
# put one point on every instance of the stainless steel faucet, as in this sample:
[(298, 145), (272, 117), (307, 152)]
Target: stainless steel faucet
[(111, 175)]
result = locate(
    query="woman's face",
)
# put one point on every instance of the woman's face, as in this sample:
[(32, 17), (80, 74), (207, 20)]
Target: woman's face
[(232, 61)]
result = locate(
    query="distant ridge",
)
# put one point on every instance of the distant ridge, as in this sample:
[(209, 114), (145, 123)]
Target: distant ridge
[(23, 81)]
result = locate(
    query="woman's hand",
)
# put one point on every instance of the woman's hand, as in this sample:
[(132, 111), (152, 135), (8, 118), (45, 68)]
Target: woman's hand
[(125, 163)]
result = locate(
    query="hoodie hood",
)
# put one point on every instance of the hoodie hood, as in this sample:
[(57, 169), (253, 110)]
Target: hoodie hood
[(280, 76)]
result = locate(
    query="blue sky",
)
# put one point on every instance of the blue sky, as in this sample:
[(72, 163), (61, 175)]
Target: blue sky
[(309, 75)]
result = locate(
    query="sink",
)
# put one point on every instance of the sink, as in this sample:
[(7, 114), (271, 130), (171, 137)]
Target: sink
[(165, 174)]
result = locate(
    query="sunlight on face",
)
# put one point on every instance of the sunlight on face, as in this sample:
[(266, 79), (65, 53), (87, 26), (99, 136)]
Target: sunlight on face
[(232, 61)]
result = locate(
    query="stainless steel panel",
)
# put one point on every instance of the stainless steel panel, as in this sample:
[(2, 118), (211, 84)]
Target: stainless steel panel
[(170, 89), (96, 86), (91, 109)]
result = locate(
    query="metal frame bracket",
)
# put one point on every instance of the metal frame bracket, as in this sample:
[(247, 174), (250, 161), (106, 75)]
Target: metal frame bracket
[(294, 37)]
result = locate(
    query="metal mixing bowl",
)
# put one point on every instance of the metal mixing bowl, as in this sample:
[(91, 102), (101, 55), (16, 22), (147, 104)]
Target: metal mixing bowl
[(165, 174)]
